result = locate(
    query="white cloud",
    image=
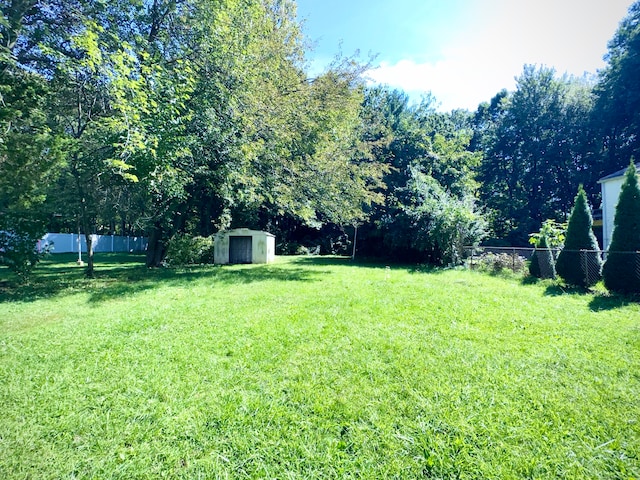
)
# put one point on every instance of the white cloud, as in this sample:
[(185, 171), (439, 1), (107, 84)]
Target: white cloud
[(454, 83), (496, 38)]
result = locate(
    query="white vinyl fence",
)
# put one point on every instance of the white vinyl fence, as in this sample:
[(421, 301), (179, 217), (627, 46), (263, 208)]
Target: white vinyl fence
[(71, 242)]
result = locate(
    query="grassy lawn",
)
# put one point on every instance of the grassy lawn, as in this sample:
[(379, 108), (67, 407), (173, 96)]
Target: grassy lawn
[(313, 368)]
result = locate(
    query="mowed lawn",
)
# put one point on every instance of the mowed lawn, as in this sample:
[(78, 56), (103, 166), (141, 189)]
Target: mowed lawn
[(313, 368)]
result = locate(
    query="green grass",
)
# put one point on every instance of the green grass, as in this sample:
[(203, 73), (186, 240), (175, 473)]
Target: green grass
[(313, 368)]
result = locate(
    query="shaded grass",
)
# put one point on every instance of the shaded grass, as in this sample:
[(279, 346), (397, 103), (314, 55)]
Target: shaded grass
[(314, 368), (117, 275)]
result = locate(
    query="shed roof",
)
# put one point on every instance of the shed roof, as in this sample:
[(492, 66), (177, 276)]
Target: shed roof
[(246, 231), (619, 173)]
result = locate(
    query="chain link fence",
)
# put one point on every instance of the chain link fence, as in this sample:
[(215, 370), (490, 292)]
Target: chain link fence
[(497, 258), (591, 264), (514, 258)]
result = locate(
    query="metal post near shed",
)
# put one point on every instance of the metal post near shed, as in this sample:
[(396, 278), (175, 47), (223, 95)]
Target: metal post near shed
[(355, 238), (79, 247)]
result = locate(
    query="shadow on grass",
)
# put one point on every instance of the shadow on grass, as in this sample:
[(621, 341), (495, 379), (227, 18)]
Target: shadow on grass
[(531, 280), (115, 277), (317, 260), (603, 302), (556, 290)]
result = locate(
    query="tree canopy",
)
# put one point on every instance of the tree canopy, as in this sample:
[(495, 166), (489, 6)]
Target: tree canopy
[(184, 117)]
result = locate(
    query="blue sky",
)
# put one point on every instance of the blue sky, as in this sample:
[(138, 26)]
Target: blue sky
[(462, 51)]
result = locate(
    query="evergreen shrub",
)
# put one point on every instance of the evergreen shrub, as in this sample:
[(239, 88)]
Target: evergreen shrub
[(574, 265), (542, 264), (622, 268)]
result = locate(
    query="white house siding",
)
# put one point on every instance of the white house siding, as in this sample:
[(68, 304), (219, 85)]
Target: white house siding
[(610, 187)]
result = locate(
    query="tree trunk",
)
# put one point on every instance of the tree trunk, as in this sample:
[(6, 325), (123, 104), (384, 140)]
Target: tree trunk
[(89, 239), (83, 220), (156, 247)]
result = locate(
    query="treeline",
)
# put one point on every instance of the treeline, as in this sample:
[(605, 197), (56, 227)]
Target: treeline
[(171, 117)]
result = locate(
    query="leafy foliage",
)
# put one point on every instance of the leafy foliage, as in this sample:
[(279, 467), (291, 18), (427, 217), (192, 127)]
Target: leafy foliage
[(430, 210), (29, 159), (550, 236), (498, 262), (536, 143), (185, 250), (552, 232), (617, 109), (622, 269), (441, 223), (185, 117)]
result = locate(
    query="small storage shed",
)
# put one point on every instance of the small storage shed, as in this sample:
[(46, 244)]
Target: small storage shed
[(242, 245), (610, 186)]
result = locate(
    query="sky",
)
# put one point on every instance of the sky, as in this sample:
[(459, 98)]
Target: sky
[(462, 51)]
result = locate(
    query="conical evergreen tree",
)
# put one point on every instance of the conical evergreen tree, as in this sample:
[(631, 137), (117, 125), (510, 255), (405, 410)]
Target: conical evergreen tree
[(574, 266), (542, 265), (622, 268)]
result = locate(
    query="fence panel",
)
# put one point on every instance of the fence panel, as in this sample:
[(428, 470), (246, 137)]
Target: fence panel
[(590, 260), (68, 243), (120, 244)]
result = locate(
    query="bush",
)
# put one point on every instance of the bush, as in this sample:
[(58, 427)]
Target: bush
[(187, 250), (440, 223), (18, 240), (582, 269), (497, 262), (621, 272), (542, 264)]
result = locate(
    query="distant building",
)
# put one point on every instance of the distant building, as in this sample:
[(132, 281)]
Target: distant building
[(611, 186)]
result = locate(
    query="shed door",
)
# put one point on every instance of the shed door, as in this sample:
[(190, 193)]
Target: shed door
[(240, 250)]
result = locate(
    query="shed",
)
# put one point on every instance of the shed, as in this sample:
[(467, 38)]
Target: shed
[(242, 245), (610, 187)]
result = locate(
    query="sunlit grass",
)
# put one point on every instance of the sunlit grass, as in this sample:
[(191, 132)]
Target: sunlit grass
[(314, 368)]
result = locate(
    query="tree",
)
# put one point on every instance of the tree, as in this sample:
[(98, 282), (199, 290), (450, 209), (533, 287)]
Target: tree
[(622, 269), (29, 161), (97, 95), (617, 109), (535, 143), (551, 236), (430, 209), (241, 133), (441, 223), (29, 150), (542, 264), (580, 262)]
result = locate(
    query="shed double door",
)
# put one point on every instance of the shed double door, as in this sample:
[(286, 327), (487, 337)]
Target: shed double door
[(240, 250)]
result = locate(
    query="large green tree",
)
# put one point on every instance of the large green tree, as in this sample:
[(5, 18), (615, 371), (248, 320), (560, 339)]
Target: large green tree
[(97, 103), (617, 110), (238, 130), (536, 145), (29, 160), (429, 211), (29, 150)]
